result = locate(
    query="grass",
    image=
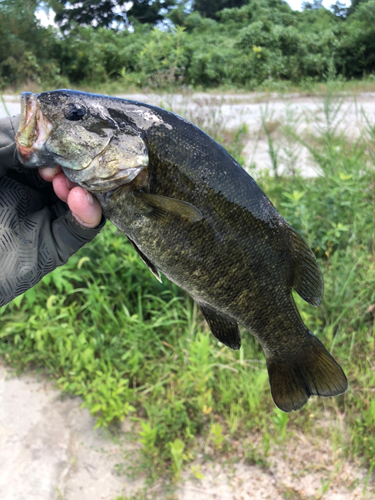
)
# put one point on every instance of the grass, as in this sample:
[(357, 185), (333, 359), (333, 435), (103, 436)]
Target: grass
[(105, 329)]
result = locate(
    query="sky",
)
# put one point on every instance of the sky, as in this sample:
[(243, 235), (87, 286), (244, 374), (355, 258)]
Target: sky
[(295, 4)]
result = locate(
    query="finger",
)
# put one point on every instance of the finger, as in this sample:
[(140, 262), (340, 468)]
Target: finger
[(85, 208), (62, 185), (48, 173)]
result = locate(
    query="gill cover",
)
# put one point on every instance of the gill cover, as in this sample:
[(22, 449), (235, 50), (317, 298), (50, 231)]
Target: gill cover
[(121, 160)]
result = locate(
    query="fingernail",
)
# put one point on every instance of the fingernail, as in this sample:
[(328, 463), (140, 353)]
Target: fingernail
[(90, 199)]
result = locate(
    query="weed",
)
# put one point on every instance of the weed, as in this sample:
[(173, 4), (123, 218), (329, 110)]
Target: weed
[(292, 494), (196, 471), (255, 456), (148, 437), (273, 150), (216, 436), (372, 465), (178, 457), (59, 493), (280, 421), (290, 149)]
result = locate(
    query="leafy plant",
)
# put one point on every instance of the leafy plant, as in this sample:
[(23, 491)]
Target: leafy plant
[(280, 421), (107, 396), (216, 436), (178, 457)]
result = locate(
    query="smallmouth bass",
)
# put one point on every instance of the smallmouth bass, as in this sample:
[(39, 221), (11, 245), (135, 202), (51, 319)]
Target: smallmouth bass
[(194, 214)]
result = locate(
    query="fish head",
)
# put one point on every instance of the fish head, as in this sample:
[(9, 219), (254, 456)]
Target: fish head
[(75, 130)]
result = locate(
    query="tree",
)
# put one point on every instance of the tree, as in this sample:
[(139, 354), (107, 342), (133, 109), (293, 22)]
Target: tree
[(354, 5), (103, 13), (316, 4), (145, 11), (210, 8), (109, 13), (339, 9), (26, 47)]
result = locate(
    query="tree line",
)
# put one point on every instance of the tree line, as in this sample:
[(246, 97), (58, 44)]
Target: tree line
[(200, 43)]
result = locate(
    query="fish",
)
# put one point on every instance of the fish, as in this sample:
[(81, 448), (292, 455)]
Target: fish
[(195, 215)]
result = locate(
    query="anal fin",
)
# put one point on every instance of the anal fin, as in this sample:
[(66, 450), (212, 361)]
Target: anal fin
[(149, 264), (224, 328), (311, 371)]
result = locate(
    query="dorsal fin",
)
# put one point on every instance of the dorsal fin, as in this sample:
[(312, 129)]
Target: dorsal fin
[(307, 276), (224, 328)]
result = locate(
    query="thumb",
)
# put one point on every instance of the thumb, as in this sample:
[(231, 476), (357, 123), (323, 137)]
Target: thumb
[(84, 207)]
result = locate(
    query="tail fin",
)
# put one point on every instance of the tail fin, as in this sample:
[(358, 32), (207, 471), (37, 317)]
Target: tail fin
[(314, 372)]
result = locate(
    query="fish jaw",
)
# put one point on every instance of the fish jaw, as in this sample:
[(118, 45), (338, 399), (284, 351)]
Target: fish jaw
[(33, 132)]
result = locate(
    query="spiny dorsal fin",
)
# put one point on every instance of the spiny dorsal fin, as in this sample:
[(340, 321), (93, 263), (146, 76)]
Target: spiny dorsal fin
[(307, 276), (163, 207), (312, 372), (148, 263), (224, 328)]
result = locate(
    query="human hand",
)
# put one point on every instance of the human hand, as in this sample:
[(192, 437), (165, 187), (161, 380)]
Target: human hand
[(84, 207)]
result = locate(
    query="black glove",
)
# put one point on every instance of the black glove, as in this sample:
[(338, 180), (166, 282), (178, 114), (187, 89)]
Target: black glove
[(37, 230)]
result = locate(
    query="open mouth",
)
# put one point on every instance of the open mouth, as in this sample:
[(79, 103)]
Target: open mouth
[(34, 128)]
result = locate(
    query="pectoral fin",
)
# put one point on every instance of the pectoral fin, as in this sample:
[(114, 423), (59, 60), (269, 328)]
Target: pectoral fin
[(148, 263), (224, 328), (163, 207)]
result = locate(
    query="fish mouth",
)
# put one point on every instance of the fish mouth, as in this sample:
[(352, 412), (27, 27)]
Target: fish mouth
[(34, 128)]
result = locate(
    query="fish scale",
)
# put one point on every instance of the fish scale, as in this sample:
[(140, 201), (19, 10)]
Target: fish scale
[(194, 214)]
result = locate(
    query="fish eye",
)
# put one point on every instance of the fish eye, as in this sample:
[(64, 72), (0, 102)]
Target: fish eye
[(74, 112)]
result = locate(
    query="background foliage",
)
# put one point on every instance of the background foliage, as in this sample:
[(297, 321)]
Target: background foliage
[(235, 43)]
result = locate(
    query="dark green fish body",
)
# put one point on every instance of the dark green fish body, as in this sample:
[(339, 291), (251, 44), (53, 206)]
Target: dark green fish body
[(195, 215), (240, 249)]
